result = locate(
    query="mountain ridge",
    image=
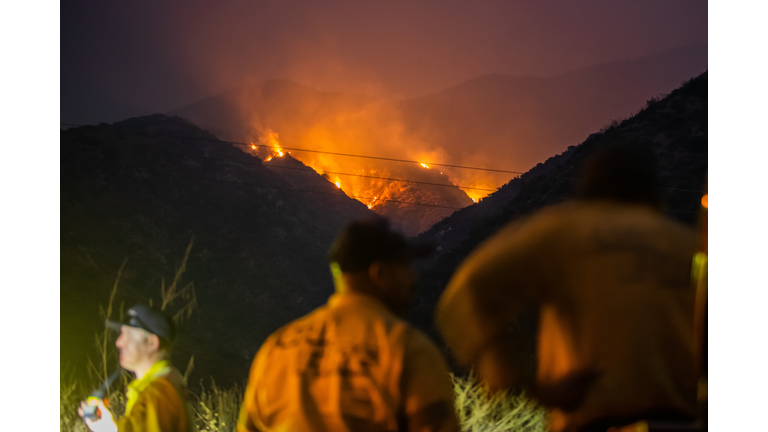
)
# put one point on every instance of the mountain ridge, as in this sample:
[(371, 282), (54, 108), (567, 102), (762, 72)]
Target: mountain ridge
[(674, 128)]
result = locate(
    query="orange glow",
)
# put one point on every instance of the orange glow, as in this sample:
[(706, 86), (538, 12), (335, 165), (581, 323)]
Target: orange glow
[(253, 146), (271, 140), (704, 202), (268, 159), (369, 177)]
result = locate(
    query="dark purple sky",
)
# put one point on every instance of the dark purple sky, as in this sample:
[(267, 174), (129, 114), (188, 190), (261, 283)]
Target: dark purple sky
[(126, 58)]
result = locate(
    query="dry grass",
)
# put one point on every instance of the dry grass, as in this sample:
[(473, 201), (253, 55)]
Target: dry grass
[(216, 409), (478, 410)]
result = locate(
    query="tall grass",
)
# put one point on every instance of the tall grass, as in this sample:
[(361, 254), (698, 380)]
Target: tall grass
[(479, 410), (216, 409), (73, 392)]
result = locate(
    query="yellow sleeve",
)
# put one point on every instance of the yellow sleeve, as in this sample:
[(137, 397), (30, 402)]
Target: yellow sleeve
[(427, 391), (157, 409), (249, 419)]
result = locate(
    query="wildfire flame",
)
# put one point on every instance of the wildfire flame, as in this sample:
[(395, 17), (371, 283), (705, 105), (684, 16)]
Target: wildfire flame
[(369, 179), (270, 140)]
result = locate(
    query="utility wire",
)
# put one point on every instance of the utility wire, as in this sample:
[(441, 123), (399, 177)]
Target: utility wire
[(218, 141), (308, 169), (307, 150), (336, 194), (342, 194)]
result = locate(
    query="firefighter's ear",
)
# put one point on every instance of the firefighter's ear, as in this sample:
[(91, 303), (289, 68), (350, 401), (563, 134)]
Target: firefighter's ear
[(376, 272), (153, 342)]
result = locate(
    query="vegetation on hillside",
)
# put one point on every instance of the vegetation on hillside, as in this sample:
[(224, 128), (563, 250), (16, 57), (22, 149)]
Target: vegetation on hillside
[(216, 408)]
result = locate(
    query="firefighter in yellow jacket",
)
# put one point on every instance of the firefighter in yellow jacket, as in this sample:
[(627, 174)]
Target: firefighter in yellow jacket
[(354, 364), (610, 277), (157, 398)]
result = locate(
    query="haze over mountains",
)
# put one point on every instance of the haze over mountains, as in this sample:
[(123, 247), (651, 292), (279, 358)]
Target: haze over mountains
[(496, 121)]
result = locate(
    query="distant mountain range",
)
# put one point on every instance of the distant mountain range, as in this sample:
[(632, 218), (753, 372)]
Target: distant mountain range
[(516, 122), (496, 121)]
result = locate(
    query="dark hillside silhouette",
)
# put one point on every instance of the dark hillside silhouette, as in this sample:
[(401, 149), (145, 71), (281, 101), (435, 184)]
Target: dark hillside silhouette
[(674, 128), (258, 259)]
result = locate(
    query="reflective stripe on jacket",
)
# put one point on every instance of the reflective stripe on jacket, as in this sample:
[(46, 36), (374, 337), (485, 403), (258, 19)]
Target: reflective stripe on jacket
[(157, 403)]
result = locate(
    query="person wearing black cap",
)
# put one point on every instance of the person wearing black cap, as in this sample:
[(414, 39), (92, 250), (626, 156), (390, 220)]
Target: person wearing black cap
[(157, 398), (610, 278), (354, 364)]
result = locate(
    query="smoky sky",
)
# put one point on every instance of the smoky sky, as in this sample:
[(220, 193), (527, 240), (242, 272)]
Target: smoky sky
[(127, 58)]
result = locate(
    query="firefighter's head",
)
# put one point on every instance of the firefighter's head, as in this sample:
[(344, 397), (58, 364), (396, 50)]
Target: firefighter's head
[(621, 174), (368, 257), (145, 337)]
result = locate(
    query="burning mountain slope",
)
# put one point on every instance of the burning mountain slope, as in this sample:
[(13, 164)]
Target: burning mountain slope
[(675, 128), (438, 199), (495, 121), (258, 258), (298, 116)]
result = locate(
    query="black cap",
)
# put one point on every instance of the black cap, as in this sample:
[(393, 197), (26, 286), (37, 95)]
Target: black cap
[(152, 320), (362, 242)]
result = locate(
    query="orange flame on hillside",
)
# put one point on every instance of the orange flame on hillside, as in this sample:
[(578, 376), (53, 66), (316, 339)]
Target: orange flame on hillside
[(368, 180), (270, 140)]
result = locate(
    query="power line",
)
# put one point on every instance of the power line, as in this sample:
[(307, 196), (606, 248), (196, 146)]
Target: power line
[(218, 141), (342, 194), (308, 169), (386, 178), (308, 150)]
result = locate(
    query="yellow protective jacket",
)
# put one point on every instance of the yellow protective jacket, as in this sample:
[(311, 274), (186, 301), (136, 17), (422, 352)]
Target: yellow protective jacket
[(158, 403), (612, 285), (348, 366)]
